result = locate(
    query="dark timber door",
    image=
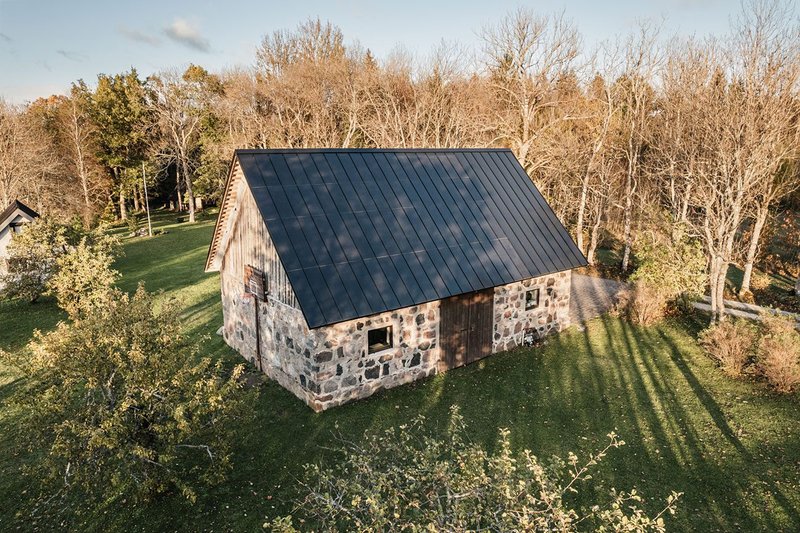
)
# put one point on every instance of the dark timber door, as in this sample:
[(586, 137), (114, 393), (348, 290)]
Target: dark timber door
[(465, 328)]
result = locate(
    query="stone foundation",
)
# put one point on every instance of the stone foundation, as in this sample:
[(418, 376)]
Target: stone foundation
[(330, 365)]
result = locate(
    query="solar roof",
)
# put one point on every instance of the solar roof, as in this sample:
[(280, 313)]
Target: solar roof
[(360, 232)]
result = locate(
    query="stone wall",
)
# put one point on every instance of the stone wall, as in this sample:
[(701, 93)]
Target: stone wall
[(511, 320), (329, 366), (286, 342), (344, 369)]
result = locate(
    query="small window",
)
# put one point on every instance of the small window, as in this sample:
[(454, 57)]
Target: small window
[(379, 339), (531, 299)]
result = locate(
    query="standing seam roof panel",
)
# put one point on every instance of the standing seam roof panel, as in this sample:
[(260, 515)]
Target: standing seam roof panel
[(513, 227), (431, 225), (513, 267), (360, 232), (446, 224)]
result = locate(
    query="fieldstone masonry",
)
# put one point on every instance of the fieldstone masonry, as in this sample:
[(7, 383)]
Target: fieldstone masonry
[(511, 320), (330, 366)]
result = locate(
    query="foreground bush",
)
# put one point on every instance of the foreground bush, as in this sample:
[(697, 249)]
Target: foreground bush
[(122, 406), (779, 353), (407, 480), (731, 343)]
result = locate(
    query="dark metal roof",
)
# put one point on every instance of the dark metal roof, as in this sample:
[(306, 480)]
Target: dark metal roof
[(361, 232), (16, 204)]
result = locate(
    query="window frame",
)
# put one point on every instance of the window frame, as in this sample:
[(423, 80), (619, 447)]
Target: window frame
[(538, 303), (390, 339)]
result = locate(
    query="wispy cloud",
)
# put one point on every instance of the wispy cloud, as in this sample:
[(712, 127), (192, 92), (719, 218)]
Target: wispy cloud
[(183, 32), (6, 38), (72, 56), (139, 37)]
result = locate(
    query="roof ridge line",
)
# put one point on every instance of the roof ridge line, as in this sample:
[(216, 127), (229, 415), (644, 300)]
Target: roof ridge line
[(356, 150)]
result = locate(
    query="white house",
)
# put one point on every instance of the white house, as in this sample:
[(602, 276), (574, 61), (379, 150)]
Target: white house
[(12, 219)]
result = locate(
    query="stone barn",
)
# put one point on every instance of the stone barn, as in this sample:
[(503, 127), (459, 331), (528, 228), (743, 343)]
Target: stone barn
[(344, 272)]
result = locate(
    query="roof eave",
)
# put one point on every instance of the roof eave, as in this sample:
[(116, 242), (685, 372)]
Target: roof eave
[(212, 257)]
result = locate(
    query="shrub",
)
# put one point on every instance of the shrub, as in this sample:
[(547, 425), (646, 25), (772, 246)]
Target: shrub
[(32, 256), (405, 479), (760, 281), (642, 304), (83, 277), (668, 268), (674, 265), (731, 343), (123, 407), (779, 353), (132, 222)]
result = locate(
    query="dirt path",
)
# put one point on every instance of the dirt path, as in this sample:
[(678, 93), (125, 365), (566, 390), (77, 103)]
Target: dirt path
[(591, 297)]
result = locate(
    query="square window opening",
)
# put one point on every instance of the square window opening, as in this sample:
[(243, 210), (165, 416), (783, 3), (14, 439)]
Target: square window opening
[(379, 339), (531, 299)]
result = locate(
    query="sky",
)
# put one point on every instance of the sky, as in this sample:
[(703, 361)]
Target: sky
[(45, 45)]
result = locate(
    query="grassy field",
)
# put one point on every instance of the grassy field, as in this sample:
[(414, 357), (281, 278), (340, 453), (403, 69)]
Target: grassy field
[(731, 446)]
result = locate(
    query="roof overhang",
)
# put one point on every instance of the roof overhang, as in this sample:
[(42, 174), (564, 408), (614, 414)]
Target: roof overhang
[(224, 217), (15, 209)]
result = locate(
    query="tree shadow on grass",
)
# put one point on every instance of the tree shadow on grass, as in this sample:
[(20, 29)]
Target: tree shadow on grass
[(721, 422)]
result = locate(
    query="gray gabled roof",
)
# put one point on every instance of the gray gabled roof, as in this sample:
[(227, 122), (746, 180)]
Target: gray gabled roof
[(12, 208), (361, 232)]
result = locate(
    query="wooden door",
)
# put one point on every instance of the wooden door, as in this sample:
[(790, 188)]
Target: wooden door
[(465, 328)]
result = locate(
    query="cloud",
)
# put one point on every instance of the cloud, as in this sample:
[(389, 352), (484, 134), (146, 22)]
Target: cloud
[(183, 32), (72, 56), (138, 36), (6, 38)]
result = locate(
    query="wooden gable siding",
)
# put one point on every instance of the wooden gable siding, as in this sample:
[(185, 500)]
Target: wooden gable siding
[(250, 244)]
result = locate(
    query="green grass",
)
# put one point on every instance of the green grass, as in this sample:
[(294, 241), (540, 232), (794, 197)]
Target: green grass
[(731, 446)]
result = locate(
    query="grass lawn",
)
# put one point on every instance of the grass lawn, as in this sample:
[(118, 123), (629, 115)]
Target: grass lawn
[(731, 446)]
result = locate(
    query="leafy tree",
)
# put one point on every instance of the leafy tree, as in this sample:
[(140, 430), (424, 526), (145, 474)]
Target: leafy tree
[(407, 480), (84, 277), (179, 104), (119, 111), (125, 408), (673, 266)]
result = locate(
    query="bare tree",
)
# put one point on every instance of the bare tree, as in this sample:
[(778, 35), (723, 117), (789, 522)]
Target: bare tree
[(16, 156), (178, 100), (77, 134), (525, 55), (636, 97)]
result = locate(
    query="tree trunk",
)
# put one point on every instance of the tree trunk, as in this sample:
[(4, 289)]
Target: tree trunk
[(178, 188), (722, 277), (594, 238), (581, 211), (123, 211), (189, 191), (136, 198), (712, 287), (627, 217), (752, 250), (797, 288)]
